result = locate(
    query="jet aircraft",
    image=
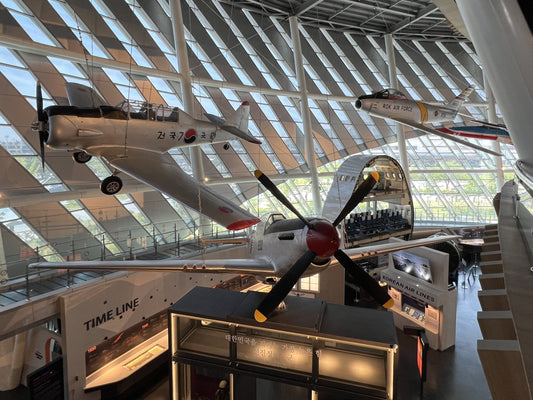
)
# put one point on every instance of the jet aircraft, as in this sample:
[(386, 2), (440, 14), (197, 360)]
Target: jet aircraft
[(135, 139), (393, 104), (279, 247)]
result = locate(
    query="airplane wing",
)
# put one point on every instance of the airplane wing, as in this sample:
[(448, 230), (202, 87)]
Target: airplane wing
[(428, 129), (160, 171), (235, 266), (479, 132), (360, 253)]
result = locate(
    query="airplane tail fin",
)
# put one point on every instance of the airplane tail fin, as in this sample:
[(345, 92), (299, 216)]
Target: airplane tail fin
[(83, 96), (238, 123), (456, 103)]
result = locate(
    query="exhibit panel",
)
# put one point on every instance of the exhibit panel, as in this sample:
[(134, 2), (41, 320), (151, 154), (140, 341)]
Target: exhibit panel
[(312, 347), (418, 283), (114, 332)]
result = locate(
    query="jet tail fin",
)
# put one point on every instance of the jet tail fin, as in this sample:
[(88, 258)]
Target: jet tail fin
[(456, 103), (238, 123)]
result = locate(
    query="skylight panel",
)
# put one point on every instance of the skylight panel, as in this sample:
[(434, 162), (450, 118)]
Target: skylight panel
[(166, 92), (154, 32), (370, 124), (377, 74), (471, 53), (15, 144), (12, 221), (436, 67), (244, 156), (214, 74), (78, 28), (217, 161), (208, 104), (89, 223), (67, 68), (427, 83), (230, 95), (12, 142), (122, 34), (21, 79), (464, 72), (348, 64), (8, 214), (294, 113), (324, 122), (254, 130), (31, 25), (128, 90), (177, 155), (287, 70), (7, 57)]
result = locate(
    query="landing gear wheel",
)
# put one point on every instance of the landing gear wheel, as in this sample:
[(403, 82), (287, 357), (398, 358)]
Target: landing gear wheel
[(81, 157), (111, 185)]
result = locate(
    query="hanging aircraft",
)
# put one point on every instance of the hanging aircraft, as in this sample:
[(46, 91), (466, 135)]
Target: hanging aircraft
[(284, 248), (135, 138), (393, 104)]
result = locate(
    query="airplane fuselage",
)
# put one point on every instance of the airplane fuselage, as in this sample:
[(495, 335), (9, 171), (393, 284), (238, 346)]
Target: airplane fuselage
[(405, 109), (282, 242), (73, 128)]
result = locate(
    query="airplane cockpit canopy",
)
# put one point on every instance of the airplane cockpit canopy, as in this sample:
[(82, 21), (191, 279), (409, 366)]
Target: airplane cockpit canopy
[(150, 111), (389, 93)]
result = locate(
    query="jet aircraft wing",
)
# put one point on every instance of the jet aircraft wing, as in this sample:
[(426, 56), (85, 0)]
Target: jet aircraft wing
[(359, 253), (238, 266), (160, 171), (428, 129)]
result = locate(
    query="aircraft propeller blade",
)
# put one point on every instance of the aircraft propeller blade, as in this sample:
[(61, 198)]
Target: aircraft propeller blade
[(271, 187), (366, 281), (283, 287), (41, 118), (357, 196)]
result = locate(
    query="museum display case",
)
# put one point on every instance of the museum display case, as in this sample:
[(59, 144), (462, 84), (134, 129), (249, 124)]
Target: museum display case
[(312, 345)]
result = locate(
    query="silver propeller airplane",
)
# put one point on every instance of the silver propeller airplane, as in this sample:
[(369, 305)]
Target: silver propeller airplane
[(393, 104), (284, 248), (135, 139)]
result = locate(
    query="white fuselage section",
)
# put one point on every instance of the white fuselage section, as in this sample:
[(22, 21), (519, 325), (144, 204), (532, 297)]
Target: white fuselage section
[(80, 132), (406, 109)]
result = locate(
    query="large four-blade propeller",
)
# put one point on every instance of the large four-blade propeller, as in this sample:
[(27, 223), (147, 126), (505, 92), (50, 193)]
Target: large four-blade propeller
[(41, 120), (323, 241)]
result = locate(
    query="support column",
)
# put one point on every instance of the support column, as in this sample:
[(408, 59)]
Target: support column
[(306, 115), (393, 82), (180, 44), (491, 117)]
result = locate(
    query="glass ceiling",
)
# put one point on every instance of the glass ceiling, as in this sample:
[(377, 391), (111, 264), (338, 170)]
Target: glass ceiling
[(124, 49)]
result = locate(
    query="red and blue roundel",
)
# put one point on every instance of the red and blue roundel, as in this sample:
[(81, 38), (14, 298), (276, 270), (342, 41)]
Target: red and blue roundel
[(225, 209), (190, 136)]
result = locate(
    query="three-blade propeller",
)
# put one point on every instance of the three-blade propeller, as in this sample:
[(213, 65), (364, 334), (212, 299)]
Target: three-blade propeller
[(41, 119), (322, 241)]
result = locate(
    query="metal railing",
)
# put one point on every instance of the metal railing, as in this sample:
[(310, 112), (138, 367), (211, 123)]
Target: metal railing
[(171, 243)]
